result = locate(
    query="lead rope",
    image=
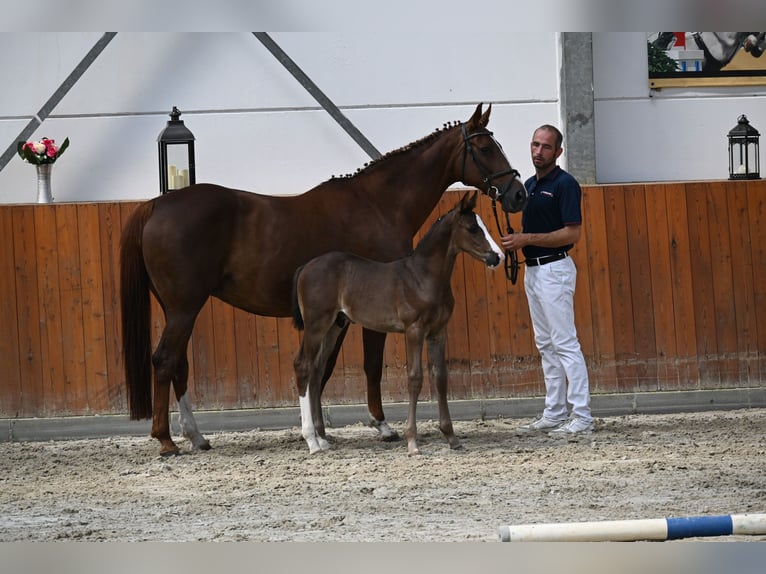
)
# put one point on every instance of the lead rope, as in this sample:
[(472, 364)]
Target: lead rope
[(511, 259)]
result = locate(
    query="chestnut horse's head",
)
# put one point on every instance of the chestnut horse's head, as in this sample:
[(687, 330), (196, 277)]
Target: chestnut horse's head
[(486, 166)]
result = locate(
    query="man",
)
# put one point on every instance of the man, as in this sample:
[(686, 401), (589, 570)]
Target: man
[(551, 225)]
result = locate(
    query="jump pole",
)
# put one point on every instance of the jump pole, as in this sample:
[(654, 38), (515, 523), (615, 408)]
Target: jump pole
[(634, 530)]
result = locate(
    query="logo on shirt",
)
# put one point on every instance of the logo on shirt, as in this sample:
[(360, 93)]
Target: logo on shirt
[(546, 194)]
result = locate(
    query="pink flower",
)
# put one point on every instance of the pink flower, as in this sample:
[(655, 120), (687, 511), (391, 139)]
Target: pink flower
[(41, 152), (50, 148)]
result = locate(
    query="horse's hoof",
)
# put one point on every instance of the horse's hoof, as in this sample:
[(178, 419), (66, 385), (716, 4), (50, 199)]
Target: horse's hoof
[(169, 453), (387, 434), (393, 437), (204, 446)]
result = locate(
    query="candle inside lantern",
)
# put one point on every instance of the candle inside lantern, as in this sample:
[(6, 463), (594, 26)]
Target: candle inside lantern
[(172, 174)]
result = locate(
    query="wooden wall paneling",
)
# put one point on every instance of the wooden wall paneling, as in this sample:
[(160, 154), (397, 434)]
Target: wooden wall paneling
[(723, 284), (756, 196), (70, 294), (639, 261), (743, 288), (30, 333), (246, 355), (202, 349), (582, 297), (702, 279), (110, 226), (697, 254), (662, 287), (94, 330), (289, 342), (10, 381), (622, 304), (345, 383), (225, 363), (682, 288), (602, 362), (394, 381), (49, 294), (478, 326), (582, 300), (268, 386)]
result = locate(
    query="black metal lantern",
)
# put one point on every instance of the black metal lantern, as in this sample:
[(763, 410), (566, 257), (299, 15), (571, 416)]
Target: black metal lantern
[(176, 149), (744, 157)]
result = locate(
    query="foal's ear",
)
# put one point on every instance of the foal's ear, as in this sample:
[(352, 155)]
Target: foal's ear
[(468, 203), (479, 120)]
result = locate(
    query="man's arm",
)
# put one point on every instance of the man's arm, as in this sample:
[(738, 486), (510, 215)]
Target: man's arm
[(565, 236)]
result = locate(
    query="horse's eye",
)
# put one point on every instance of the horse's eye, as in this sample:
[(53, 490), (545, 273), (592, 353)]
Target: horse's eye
[(473, 228), (485, 149)]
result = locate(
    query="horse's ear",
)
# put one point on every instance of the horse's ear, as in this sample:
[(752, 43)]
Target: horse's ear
[(479, 120), (473, 123), (485, 117)]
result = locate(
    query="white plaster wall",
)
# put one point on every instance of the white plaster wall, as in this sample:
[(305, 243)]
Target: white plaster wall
[(256, 127), (671, 134)]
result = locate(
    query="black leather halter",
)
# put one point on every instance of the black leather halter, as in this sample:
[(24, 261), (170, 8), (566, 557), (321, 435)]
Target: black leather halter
[(491, 191), (486, 177)]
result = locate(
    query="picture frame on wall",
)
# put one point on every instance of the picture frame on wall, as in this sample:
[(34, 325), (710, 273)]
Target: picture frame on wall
[(689, 59)]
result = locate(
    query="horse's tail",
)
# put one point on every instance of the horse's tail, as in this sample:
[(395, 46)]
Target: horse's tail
[(136, 315), (296, 311)]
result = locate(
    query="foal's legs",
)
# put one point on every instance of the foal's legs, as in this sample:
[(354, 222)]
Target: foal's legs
[(438, 368), (374, 344), (414, 339), (309, 367)]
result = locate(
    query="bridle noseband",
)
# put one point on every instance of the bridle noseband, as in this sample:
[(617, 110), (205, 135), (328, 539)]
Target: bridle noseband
[(486, 178), (511, 259)]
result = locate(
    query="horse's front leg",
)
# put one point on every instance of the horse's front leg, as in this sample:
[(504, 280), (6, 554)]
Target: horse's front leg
[(438, 369), (415, 383), (374, 344)]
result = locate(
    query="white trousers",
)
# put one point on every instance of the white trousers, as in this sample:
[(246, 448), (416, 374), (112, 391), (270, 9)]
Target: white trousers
[(550, 292)]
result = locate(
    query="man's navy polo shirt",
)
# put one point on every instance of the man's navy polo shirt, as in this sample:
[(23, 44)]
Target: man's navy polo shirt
[(554, 202)]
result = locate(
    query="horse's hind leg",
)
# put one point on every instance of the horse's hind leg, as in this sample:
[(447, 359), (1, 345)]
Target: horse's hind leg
[(374, 344), (185, 416), (309, 368), (171, 366)]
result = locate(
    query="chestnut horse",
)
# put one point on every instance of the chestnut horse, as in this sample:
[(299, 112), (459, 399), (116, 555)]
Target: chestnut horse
[(411, 295), (243, 248)]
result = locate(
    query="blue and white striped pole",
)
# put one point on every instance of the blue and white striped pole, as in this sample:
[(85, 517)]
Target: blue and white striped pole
[(634, 530)]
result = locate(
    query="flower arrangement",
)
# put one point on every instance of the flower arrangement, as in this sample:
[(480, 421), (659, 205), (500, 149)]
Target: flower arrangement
[(41, 152)]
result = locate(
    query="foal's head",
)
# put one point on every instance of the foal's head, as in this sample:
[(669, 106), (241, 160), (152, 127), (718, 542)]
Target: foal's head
[(469, 234)]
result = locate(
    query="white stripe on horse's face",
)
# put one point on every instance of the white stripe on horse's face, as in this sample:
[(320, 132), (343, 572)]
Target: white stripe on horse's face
[(491, 241)]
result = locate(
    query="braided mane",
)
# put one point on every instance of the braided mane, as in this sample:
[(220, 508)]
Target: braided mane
[(404, 149)]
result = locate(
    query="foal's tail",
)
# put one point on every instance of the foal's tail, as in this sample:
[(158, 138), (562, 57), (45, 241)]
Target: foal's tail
[(136, 315), (297, 317)]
